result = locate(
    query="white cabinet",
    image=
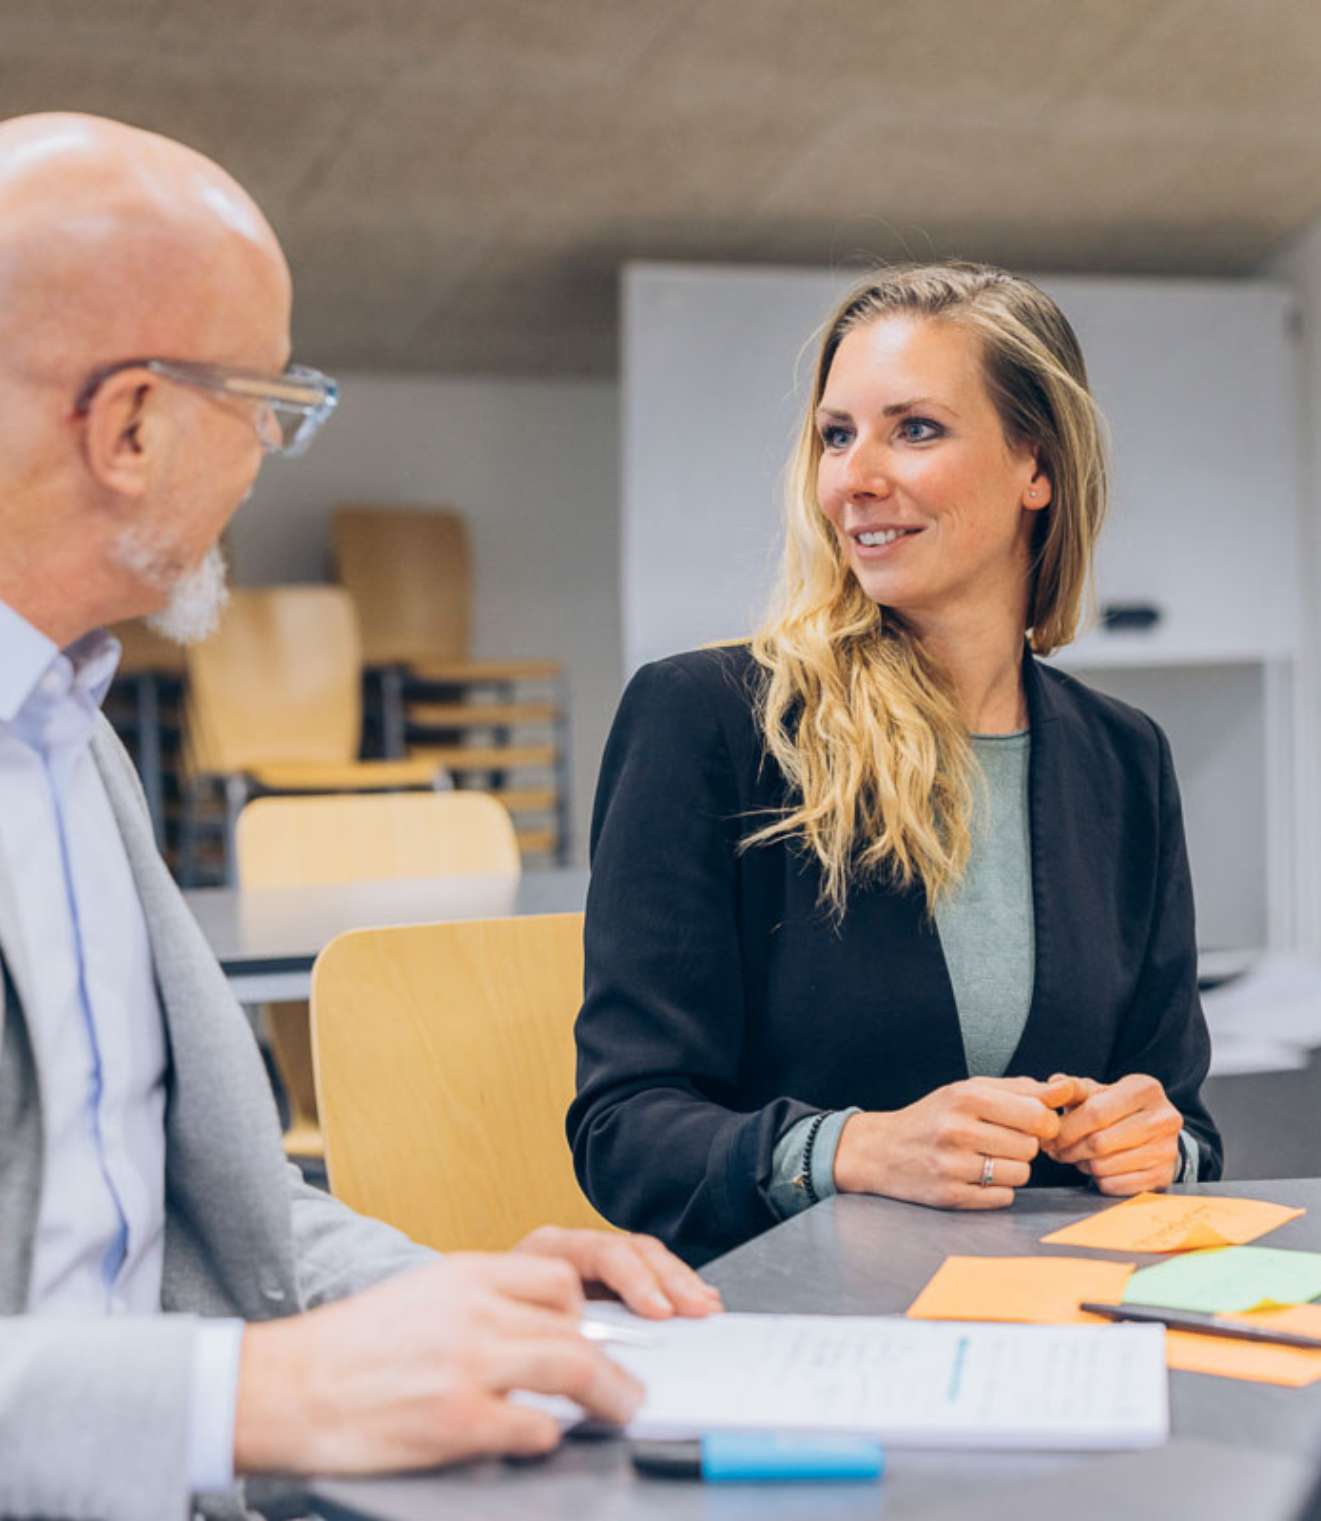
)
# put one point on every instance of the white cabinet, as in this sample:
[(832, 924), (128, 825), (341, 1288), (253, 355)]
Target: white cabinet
[(1197, 382)]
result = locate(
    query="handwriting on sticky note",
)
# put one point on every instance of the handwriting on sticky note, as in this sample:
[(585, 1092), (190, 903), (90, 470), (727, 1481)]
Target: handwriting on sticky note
[(1033, 1290), (1174, 1223), (1228, 1279), (1257, 1362)]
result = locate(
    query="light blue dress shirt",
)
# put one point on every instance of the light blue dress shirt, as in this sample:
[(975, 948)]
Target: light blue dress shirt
[(94, 1020)]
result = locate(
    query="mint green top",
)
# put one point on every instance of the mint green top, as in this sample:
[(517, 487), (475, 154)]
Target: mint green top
[(986, 925)]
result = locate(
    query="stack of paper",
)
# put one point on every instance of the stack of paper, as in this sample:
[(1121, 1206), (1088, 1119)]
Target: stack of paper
[(910, 1384)]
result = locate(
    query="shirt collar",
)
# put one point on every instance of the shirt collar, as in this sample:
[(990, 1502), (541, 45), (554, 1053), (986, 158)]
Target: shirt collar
[(26, 654)]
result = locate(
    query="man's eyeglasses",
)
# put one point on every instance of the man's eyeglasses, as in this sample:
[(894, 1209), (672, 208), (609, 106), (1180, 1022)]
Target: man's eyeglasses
[(290, 407)]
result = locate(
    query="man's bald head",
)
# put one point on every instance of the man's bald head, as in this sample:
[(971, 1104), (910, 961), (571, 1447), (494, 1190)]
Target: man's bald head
[(115, 242), (119, 245)]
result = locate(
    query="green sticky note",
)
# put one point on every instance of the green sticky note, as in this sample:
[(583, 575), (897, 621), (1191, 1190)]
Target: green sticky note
[(1228, 1278)]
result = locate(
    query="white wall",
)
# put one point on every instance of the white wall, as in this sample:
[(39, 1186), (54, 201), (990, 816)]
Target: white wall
[(534, 465), (1300, 264)]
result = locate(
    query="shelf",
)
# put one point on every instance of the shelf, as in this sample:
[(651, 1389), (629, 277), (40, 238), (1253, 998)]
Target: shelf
[(480, 715), (484, 757)]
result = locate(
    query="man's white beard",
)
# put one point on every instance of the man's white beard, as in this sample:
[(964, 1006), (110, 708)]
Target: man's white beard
[(196, 598)]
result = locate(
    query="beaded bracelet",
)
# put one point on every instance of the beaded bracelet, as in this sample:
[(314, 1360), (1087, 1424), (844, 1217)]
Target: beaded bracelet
[(804, 1178)]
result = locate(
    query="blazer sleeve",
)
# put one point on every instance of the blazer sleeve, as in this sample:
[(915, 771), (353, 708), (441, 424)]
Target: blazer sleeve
[(338, 1252), (94, 1416), (661, 1141), (1165, 1033)]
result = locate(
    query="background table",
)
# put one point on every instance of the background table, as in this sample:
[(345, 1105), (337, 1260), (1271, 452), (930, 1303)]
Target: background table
[(1239, 1448), (267, 940)]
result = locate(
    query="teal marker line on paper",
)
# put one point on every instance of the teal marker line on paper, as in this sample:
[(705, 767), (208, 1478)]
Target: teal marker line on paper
[(956, 1373)]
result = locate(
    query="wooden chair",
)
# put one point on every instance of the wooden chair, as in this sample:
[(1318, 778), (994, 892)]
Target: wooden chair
[(307, 841), (444, 1065), (409, 570), (275, 704)]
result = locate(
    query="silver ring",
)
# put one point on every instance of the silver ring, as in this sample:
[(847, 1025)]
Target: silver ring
[(988, 1171)]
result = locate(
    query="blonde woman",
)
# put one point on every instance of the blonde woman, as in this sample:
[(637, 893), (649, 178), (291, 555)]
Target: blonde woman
[(880, 903)]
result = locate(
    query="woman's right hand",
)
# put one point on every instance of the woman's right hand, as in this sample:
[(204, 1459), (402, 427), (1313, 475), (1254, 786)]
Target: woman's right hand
[(935, 1151)]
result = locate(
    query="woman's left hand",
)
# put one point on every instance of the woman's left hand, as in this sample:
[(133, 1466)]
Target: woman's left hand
[(1124, 1135), (648, 1277)]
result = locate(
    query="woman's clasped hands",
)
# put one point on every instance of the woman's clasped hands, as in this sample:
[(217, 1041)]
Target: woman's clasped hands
[(1124, 1135), (967, 1145), (971, 1144)]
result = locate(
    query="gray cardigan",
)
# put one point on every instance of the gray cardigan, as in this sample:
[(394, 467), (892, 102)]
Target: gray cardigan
[(93, 1414)]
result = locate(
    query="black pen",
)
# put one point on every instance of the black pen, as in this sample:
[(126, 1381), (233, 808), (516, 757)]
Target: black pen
[(1206, 1325)]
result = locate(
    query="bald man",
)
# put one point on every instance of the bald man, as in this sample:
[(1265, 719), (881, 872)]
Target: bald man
[(178, 1307)]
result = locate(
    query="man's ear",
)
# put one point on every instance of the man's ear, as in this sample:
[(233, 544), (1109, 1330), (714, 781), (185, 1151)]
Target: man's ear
[(116, 432)]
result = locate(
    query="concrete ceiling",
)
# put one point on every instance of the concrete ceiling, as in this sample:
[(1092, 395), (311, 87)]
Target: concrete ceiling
[(457, 184)]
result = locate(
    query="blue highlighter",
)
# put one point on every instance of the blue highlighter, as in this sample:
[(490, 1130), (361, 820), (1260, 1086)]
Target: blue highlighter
[(757, 1457)]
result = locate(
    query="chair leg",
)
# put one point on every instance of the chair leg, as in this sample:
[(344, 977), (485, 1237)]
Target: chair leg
[(393, 722), (237, 791), (291, 1048)]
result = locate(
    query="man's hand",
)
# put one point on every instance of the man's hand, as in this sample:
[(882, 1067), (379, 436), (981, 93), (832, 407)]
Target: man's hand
[(1124, 1135), (415, 1372), (646, 1276), (936, 1150)]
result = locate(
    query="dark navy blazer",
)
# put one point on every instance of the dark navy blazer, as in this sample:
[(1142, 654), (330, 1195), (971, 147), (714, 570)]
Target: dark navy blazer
[(722, 1003)]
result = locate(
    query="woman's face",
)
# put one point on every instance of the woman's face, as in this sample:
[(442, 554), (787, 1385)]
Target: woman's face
[(932, 507)]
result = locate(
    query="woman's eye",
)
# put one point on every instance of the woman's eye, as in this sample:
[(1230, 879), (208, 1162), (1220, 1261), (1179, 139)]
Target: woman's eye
[(919, 430), (835, 436)]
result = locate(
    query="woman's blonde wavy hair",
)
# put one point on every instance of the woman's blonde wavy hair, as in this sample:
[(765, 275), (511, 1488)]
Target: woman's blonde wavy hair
[(861, 720)]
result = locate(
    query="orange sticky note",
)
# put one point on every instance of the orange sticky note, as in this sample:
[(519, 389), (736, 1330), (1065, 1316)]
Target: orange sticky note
[(1174, 1223), (1037, 1290), (1258, 1362)]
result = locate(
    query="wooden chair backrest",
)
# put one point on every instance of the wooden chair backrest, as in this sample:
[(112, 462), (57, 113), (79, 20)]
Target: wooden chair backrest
[(444, 1064), (409, 570), (304, 841), (278, 682)]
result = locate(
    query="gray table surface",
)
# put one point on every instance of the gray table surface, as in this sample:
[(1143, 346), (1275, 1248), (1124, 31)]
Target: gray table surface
[(1237, 1449), (266, 940)]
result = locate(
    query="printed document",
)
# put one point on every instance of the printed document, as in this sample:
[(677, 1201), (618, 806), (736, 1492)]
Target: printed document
[(912, 1383)]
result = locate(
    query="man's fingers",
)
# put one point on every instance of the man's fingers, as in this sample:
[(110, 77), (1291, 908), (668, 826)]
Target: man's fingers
[(686, 1290), (617, 1263), (650, 1279), (508, 1429), (570, 1367), (548, 1281)]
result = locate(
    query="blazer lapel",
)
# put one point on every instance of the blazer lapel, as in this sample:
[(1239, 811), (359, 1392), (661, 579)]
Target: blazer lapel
[(225, 1169), (20, 1151)]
